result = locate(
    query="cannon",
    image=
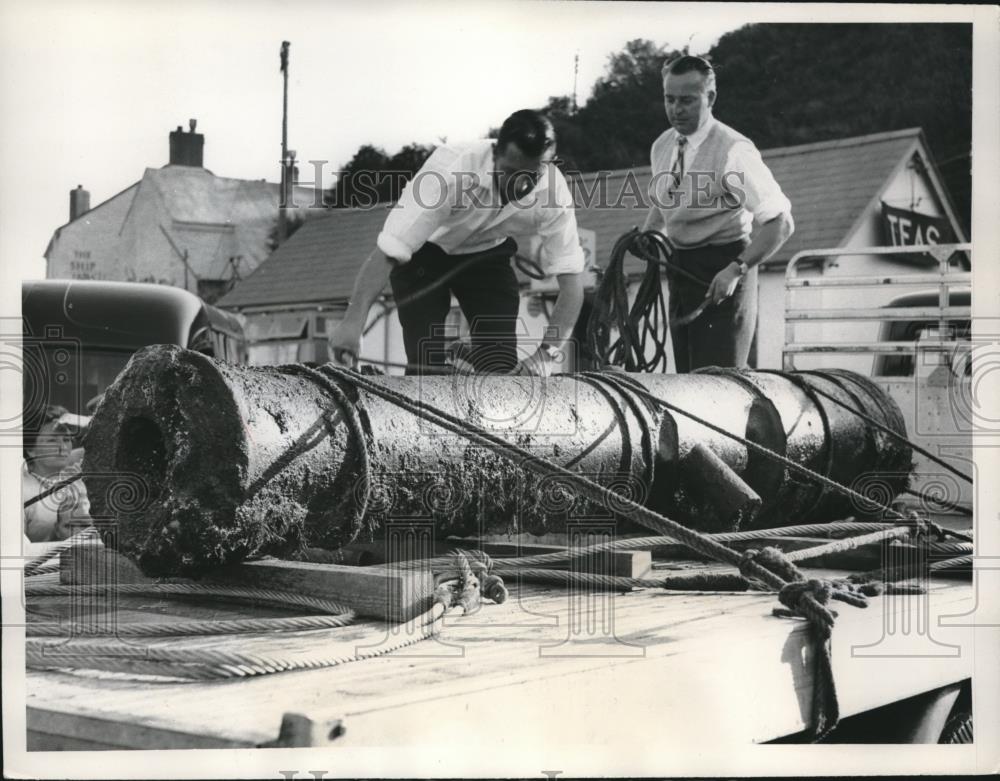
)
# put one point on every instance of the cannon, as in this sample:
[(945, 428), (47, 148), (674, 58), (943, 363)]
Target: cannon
[(192, 463)]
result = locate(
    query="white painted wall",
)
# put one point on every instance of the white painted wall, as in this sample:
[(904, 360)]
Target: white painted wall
[(907, 190), (90, 247)]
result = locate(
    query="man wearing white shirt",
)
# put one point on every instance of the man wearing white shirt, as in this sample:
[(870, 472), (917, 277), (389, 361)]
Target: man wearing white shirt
[(723, 212), (466, 202)]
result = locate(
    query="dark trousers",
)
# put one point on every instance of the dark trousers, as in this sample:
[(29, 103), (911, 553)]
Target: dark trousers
[(486, 288), (722, 335)]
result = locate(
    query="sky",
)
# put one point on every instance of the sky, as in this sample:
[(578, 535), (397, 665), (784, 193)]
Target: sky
[(91, 90)]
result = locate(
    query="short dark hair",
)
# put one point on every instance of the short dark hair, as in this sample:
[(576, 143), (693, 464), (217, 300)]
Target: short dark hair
[(531, 130), (688, 63), (34, 420)]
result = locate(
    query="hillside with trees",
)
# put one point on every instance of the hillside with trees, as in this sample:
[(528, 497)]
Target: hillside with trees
[(779, 84)]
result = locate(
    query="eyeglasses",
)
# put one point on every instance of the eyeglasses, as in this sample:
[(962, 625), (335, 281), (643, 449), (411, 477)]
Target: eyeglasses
[(521, 182)]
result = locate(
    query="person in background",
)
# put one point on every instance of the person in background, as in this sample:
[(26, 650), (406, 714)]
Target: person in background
[(723, 212), (49, 458), (451, 233)]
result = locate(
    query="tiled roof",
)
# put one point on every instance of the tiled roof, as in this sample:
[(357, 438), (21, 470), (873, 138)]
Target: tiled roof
[(220, 217), (829, 184), (318, 263)]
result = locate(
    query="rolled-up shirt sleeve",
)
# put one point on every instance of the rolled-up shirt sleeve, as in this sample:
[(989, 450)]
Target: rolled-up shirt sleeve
[(422, 207), (561, 252), (763, 196)]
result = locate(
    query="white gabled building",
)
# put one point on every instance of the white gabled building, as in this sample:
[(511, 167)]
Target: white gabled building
[(179, 225)]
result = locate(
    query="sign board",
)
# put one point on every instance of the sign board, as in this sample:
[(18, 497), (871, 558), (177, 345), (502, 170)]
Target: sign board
[(588, 242), (902, 228)]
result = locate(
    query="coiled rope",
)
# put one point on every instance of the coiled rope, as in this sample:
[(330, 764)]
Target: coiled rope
[(645, 323), (462, 592), (208, 663)]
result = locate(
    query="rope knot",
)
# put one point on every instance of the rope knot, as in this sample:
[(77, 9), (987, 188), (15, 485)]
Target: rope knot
[(770, 559), (808, 598), (469, 580)]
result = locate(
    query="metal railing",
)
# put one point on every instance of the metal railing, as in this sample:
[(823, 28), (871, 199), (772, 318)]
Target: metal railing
[(944, 279)]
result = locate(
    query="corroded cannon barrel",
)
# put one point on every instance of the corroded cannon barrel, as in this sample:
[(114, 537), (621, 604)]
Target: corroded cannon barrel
[(237, 461)]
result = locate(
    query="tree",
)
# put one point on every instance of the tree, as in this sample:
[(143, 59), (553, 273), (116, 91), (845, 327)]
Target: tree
[(357, 184), (293, 221), (409, 159), (624, 114), (783, 84), (373, 177)]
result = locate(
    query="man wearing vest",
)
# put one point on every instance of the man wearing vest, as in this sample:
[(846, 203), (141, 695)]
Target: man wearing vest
[(709, 188), (450, 234)]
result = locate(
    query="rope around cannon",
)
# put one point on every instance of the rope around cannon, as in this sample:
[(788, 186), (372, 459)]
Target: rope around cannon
[(800, 596)]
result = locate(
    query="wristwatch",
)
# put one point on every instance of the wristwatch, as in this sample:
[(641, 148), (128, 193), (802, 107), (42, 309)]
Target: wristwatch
[(744, 268), (551, 351)]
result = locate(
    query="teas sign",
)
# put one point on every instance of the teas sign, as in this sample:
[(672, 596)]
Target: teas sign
[(903, 228)]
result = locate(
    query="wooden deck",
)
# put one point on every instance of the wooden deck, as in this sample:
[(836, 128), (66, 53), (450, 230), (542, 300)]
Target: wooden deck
[(548, 668)]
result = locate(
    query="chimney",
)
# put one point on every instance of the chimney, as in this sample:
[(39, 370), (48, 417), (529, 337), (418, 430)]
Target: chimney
[(79, 202), (187, 148)]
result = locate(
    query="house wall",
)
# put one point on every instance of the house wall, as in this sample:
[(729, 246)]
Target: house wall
[(91, 247), (147, 254), (121, 239), (907, 190), (294, 335)]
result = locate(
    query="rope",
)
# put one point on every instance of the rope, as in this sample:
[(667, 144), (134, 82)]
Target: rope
[(56, 486), (356, 428), (955, 563), (540, 466), (207, 663), (699, 581), (37, 565), (850, 543), (826, 482), (881, 427), (768, 567), (187, 590), (907, 571), (474, 571), (942, 503), (182, 628), (643, 543), (645, 323)]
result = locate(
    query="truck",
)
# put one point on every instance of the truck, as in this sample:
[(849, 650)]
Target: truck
[(608, 680)]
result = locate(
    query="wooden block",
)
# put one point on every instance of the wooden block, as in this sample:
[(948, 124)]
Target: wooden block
[(374, 592), (628, 564), (91, 563)]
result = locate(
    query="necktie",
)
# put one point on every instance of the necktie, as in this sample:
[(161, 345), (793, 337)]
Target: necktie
[(677, 172)]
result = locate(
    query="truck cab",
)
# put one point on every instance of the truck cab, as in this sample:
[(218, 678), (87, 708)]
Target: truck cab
[(78, 335)]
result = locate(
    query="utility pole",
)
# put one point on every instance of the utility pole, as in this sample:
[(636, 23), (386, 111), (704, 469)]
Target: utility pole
[(576, 71), (285, 177)]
